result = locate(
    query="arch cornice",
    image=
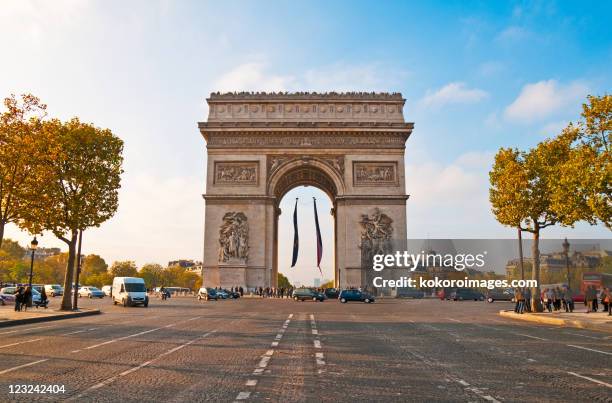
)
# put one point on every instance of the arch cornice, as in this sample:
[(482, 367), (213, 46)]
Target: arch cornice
[(276, 188)]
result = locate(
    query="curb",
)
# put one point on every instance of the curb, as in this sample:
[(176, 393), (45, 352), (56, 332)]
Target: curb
[(537, 318), (24, 321)]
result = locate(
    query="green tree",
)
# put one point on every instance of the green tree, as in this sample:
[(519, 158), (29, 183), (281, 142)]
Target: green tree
[(152, 274), (584, 181), (125, 268), (522, 187), (93, 265), (283, 281), (51, 270), (19, 125), (74, 186)]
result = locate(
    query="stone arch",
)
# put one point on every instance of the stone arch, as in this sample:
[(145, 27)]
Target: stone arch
[(305, 171)]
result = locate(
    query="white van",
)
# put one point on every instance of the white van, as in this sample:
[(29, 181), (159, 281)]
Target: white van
[(129, 291)]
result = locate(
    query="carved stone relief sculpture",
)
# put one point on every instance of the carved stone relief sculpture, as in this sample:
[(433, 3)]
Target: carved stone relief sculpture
[(236, 173), (376, 233), (234, 237), (374, 173)]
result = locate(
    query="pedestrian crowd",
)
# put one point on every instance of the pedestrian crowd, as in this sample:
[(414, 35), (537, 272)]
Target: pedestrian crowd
[(274, 292), (558, 298)]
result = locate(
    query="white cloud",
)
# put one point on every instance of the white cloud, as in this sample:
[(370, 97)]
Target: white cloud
[(553, 128), (453, 93), (545, 98), (256, 76), (513, 34), (252, 77)]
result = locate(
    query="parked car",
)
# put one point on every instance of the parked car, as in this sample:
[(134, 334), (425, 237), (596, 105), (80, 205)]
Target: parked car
[(462, 294), (332, 293), (129, 291), (445, 293), (409, 292), (207, 293), (91, 292), (6, 299), (54, 290), (10, 291), (356, 295), (303, 294), (231, 294), (107, 290), (500, 295)]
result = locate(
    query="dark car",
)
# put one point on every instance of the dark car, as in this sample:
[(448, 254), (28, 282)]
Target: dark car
[(355, 295), (408, 292), (232, 294), (332, 293), (500, 295), (207, 294), (463, 294), (303, 294)]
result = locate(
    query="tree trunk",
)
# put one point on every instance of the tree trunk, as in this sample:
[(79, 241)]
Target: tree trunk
[(2, 224), (520, 239), (536, 304), (66, 298)]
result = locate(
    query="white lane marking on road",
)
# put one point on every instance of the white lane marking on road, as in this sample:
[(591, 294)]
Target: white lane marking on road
[(319, 357), (6, 371), (263, 363), (531, 337), (20, 342), (79, 331), (144, 364), (590, 349), (29, 328), (464, 383), (583, 335), (133, 335), (591, 379), (454, 320)]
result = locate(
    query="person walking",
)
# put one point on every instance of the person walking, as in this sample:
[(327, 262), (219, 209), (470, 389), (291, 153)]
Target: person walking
[(18, 299), (568, 299), (520, 301), (27, 298), (43, 298), (606, 298), (588, 297)]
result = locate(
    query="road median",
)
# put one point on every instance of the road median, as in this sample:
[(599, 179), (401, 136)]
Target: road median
[(593, 321), (11, 318)]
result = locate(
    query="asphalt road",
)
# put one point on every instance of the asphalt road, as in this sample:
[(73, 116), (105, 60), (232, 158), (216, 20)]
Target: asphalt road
[(281, 350)]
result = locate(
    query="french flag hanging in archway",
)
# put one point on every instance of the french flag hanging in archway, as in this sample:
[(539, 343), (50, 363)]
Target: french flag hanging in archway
[(296, 237), (319, 241)]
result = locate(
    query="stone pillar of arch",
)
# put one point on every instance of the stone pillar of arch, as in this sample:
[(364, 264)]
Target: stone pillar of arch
[(260, 146)]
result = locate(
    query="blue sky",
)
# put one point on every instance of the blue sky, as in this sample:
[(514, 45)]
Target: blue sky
[(476, 76)]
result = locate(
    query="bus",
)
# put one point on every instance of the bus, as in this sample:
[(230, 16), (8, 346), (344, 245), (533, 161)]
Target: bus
[(599, 280)]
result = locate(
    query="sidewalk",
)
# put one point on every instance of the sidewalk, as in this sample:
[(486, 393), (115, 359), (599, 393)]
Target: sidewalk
[(599, 321), (8, 316)]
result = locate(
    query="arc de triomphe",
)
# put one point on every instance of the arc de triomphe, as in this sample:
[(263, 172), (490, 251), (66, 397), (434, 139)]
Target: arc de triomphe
[(260, 146)]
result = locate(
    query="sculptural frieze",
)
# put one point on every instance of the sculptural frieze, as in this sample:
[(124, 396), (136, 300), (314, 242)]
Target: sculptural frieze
[(374, 173), (234, 237), (236, 173)]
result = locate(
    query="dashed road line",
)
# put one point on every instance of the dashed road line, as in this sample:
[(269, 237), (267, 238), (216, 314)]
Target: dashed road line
[(319, 356), (590, 349), (531, 337), (132, 335), (144, 364), (263, 362), (590, 379), (6, 371), (29, 328), (20, 342)]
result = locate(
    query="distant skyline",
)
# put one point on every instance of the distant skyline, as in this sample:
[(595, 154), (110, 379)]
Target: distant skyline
[(476, 76)]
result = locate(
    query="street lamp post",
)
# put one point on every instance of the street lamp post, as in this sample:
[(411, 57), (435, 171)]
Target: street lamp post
[(33, 246), (566, 246)]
